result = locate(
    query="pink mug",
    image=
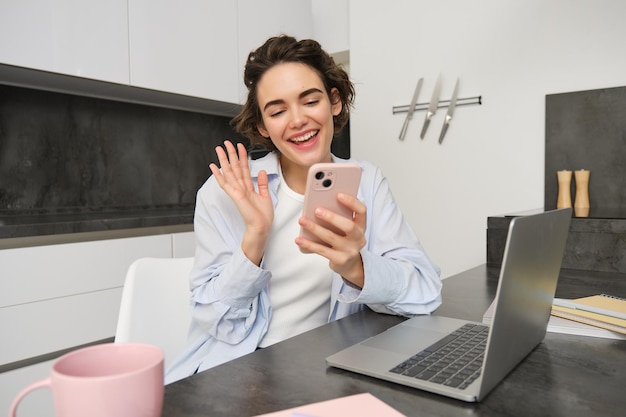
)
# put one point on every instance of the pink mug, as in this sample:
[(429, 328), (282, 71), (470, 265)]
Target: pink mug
[(111, 379)]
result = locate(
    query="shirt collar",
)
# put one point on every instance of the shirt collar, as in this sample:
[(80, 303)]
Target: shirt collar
[(271, 164)]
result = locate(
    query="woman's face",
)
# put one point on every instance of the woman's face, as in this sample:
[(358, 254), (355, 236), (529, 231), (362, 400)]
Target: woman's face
[(297, 114)]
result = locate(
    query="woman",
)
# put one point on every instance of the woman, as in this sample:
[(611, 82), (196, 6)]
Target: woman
[(252, 285)]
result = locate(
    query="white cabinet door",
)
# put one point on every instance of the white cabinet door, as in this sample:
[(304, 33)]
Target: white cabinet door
[(37, 403), (185, 47), (199, 48), (47, 272), (258, 20), (331, 25), (75, 37), (59, 296), (183, 245), (38, 328)]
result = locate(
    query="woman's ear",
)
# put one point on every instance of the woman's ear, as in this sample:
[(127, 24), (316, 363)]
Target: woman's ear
[(335, 102), (263, 131)]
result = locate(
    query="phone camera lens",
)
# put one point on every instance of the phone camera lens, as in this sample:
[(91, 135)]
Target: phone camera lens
[(327, 183), (319, 175)]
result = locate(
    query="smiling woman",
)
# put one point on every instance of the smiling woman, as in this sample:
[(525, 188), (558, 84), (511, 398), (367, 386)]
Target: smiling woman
[(281, 50), (297, 116), (256, 280)]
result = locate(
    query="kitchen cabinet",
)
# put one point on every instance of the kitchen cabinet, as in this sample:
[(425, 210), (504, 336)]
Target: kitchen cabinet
[(57, 297), (86, 39), (197, 49), (188, 48), (37, 403), (200, 49), (331, 25), (183, 244), (258, 20)]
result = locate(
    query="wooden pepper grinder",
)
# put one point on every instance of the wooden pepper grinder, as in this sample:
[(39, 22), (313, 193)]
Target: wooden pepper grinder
[(581, 203), (565, 197)]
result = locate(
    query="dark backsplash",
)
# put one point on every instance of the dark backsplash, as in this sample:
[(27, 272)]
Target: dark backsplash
[(62, 152), (67, 153), (587, 130)]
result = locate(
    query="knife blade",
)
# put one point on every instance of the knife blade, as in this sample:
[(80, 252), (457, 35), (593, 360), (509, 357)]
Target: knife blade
[(432, 107), (409, 115), (450, 112)]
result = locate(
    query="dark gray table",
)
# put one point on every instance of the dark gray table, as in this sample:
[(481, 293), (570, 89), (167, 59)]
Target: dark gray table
[(564, 376)]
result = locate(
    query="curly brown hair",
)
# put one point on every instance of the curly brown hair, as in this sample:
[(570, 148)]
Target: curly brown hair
[(284, 49)]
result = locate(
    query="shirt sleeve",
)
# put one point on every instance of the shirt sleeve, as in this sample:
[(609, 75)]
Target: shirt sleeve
[(400, 278), (225, 285)]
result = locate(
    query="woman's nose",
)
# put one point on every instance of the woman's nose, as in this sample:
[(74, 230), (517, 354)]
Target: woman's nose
[(298, 117)]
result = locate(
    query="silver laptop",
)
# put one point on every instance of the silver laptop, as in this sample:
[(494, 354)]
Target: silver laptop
[(466, 360)]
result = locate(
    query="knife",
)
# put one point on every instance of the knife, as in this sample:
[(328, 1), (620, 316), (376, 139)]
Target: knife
[(409, 115), (450, 112), (432, 107)]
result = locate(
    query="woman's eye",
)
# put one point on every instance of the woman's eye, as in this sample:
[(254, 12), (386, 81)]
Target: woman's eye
[(312, 102), (276, 113)]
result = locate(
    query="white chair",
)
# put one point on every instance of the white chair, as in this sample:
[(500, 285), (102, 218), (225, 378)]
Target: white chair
[(155, 304)]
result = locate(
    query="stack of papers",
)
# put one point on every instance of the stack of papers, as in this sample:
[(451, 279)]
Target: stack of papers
[(604, 311), (567, 326)]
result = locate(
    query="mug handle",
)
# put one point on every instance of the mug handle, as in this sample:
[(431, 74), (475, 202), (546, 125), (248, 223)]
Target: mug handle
[(46, 382)]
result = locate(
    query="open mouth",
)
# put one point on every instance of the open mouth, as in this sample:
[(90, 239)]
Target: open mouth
[(304, 138)]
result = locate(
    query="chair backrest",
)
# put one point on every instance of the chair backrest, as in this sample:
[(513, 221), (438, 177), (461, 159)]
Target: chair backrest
[(155, 304)]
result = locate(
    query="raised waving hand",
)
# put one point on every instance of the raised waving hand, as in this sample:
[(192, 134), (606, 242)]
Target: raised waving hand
[(255, 206)]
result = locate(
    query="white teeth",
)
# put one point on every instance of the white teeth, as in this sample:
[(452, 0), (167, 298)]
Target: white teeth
[(304, 137)]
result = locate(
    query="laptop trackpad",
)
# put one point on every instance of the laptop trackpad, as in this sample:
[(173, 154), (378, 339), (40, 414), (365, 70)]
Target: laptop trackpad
[(406, 340)]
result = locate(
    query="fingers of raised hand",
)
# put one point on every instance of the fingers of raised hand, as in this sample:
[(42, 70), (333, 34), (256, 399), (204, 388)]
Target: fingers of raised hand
[(234, 159), (234, 175), (227, 157)]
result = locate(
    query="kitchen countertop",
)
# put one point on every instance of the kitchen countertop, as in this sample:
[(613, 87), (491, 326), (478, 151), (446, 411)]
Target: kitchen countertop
[(31, 229), (593, 244)]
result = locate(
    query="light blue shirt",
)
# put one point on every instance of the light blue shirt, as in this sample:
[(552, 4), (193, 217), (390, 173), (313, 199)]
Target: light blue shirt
[(229, 294)]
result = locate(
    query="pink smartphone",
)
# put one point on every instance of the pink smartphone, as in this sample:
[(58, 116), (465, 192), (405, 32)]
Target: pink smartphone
[(324, 182)]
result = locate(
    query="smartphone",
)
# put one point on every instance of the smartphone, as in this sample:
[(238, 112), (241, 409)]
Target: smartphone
[(324, 182)]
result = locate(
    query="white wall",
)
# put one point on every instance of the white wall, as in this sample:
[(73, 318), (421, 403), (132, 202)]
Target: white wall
[(511, 52)]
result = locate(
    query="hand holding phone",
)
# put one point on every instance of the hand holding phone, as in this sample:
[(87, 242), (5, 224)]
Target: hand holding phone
[(324, 182)]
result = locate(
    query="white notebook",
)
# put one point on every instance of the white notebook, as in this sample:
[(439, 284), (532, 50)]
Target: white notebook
[(565, 326)]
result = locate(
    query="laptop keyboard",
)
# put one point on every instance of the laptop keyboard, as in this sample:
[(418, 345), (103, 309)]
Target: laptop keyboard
[(454, 361)]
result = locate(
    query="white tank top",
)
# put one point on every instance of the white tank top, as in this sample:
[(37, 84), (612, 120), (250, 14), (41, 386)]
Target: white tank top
[(301, 283)]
